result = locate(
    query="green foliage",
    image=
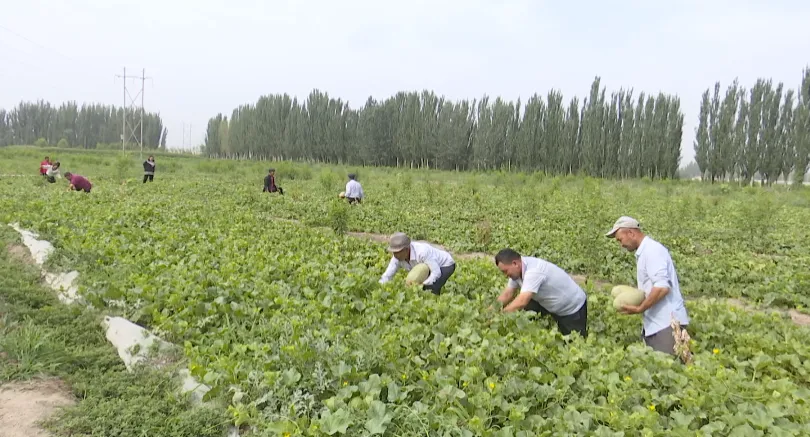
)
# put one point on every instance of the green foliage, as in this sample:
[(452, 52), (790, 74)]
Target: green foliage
[(424, 130), (41, 337), (86, 126), (41, 142), (218, 167), (290, 327), (63, 143), (338, 216), (483, 234), (126, 404), (124, 161), (329, 180), (31, 349), (760, 133)]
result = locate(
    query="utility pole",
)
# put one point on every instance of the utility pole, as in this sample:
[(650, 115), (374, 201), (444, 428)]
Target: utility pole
[(124, 121), (143, 80), (190, 142), (135, 130)]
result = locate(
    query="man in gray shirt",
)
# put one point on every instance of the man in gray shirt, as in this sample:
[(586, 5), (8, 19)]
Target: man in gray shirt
[(544, 288)]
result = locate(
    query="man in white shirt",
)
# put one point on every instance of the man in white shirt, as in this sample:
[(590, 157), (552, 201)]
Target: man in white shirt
[(52, 172), (544, 288), (407, 254), (354, 191), (656, 276)]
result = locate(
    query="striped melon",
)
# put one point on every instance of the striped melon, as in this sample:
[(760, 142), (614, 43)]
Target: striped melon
[(418, 274), (625, 295)]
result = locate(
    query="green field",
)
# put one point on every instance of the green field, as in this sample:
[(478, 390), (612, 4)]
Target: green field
[(288, 324)]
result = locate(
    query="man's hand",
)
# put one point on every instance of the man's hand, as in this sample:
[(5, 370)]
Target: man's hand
[(632, 309), (519, 302), (653, 298)]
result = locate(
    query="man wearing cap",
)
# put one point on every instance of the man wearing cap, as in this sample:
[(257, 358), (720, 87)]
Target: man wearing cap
[(656, 276), (407, 254), (544, 288)]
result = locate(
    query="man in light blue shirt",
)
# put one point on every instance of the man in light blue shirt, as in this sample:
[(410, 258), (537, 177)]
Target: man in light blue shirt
[(656, 276)]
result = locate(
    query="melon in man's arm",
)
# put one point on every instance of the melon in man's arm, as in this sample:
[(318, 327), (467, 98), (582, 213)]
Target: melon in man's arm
[(617, 290), (418, 274), (626, 295)]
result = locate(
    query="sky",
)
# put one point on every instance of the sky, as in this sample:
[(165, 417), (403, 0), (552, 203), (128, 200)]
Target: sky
[(206, 57)]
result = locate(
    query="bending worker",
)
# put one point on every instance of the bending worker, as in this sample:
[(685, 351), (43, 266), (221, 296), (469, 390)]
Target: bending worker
[(407, 254), (354, 191), (544, 288)]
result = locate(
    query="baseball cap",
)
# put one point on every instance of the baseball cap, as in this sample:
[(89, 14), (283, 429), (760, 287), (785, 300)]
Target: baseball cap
[(623, 222), (398, 242)]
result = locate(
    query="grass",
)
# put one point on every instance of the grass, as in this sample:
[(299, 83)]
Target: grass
[(40, 337)]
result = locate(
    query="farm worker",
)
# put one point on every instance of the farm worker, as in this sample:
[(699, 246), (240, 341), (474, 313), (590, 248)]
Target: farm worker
[(43, 165), (270, 183), (656, 276), (52, 172), (78, 183), (544, 288), (354, 191), (149, 169), (407, 254)]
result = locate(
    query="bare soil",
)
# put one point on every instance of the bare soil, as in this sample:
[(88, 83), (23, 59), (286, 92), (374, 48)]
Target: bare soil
[(20, 253), (798, 318), (379, 238), (23, 405)]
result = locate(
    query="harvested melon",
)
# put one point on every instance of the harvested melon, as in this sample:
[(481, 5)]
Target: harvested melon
[(418, 274), (342, 194), (625, 295), (621, 289)]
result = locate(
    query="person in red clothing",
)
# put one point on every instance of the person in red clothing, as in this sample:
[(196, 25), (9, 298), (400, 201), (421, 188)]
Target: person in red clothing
[(43, 166), (78, 183)]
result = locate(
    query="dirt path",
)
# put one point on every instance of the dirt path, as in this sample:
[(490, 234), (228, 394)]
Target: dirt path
[(23, 405)]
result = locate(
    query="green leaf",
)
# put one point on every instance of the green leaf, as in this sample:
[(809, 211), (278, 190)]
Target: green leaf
[(378, 419), (335, 423), (393, 392), (680, 419)]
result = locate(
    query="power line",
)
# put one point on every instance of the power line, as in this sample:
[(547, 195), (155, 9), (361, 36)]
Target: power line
[(35, 43)]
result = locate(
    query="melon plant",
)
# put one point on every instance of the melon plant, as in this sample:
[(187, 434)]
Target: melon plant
[(418, 274), (352, 357), (626, 295)]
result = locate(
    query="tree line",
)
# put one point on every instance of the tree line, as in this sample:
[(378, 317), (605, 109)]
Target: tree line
[(763, 131), (620, 135), (68, 125)]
